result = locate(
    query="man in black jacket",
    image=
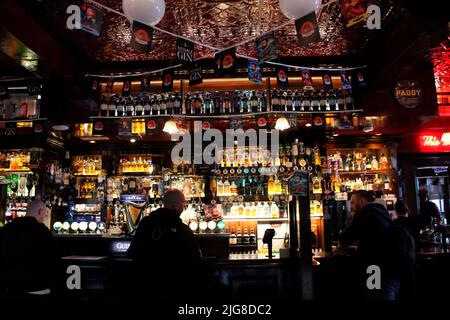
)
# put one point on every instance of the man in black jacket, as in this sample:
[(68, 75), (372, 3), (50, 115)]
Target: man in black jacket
[(165, 254), (27, 255), (369, 227)]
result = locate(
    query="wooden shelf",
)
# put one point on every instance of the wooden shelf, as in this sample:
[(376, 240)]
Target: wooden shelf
[(367, 171)]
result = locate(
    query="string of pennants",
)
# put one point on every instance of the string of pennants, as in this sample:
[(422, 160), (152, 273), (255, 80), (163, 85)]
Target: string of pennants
[(225, 59)]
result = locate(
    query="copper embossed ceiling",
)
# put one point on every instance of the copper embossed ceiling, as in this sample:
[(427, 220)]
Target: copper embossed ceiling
[(217, 23)]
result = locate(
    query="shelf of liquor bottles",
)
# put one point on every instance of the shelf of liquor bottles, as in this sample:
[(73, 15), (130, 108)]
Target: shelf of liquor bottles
[(226, 101)]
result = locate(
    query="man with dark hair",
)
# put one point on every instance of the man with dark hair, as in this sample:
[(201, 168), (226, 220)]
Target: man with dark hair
[(165, 253), (428, 210), (27, 255), (369, 225)]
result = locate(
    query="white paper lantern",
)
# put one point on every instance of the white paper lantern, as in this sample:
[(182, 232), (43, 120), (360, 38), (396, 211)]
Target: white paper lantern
[(294, 9), (149, 12)]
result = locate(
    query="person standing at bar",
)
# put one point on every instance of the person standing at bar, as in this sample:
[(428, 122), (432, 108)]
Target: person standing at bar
[(27, 255), (370, 226), (165, 254), (428, 210)]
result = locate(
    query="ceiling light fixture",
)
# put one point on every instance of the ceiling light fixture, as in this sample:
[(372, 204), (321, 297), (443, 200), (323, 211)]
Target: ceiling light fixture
[(92, 141), (170, 127), (282, 124), (132, 140), (60, 127)]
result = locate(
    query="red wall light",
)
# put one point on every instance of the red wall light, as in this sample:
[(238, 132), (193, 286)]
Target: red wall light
[(431, 141)]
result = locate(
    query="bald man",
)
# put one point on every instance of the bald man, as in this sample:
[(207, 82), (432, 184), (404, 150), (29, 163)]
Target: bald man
[(27, 257), (165, 252)]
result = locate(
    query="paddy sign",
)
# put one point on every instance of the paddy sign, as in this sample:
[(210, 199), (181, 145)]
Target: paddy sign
[(408, 93)]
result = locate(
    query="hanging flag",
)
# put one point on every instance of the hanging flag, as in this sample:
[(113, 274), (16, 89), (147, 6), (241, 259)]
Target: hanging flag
[(266, 48), (354, 12), (346, 85), (282, 77), (152, 126), (345, 121), (141, 37), (254, 72), (327, 82), (91, 18), (307, 29), (167, 80), (126, 88), (145, 84), (236, 123), (360, 80), (34, 88), (225, 63), (195, 76), (109, 86), (262, 121), (99, 125), (307, 80), (185, 51), (318, 120)]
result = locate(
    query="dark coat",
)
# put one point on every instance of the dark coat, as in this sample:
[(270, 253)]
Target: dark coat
[(165, 255), (27, 256), (368, 228)]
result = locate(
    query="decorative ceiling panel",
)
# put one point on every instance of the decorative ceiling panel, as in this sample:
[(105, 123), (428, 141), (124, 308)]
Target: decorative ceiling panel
[(219, 24)]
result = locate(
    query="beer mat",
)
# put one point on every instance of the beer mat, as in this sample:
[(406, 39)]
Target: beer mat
[(85, 258)]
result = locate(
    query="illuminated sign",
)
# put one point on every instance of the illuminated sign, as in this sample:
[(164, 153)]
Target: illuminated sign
[(120, 246), (433, 142)]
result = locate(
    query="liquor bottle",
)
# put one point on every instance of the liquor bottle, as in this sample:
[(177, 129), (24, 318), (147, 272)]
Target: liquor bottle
[(177, 104), (315, 103), (309, 159), (188, 102), (139, 109), (340, 100), (125, 186), (374, 163), (348, 162), (245, 103), (331, 101), (263, 102), (113, 107), (252, 236), (233, 238), (306, 102), (129, 108), (294, 152), (282, 101), (226, 188), (277, 186), (368, 162), (132, 185), (246, 237), (247, 210), (226, 104), (322, 101), (236, 103), (253, 102), (147, 106), (266, 210), (275, 101), (297, 101), (259, 210), (104, 107), (197, 104), (217, 103), (383, 162), (274, 210), (387, 183), (349, 100), (289, 102), (163, 104), (317, 184), (253, 210), (208, 104), (169, 103), (239, 238), (120, 107), (271, 186)]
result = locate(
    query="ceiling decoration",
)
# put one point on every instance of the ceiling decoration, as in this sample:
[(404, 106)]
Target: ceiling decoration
[(218, 23)]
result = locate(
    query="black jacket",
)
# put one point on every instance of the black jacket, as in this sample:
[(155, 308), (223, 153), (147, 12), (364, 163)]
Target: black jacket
[(27, 256), (368, 228), (165, 254), (412, 224)]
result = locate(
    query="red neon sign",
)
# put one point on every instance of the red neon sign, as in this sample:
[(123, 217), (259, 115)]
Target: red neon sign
[(432, 142)]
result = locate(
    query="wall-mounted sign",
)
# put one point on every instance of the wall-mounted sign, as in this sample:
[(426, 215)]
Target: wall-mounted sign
[(120, 246), (299, 184), (408, 93), (431, 141)]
